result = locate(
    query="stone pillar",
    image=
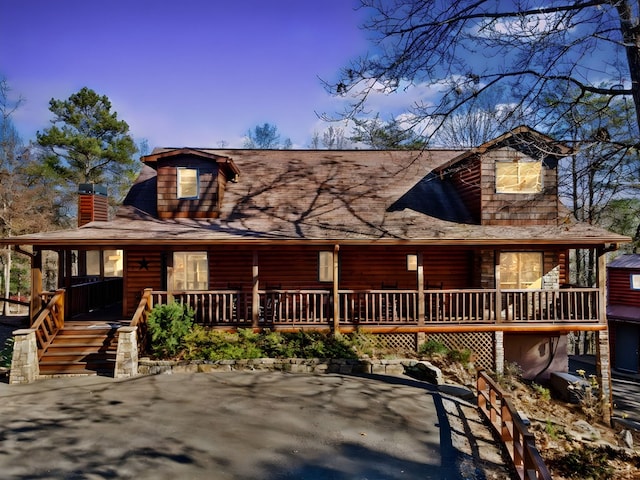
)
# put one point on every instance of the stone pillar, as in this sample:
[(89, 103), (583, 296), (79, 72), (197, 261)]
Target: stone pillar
[(127, 353), (603, 373), (498, 352), (24, 363)]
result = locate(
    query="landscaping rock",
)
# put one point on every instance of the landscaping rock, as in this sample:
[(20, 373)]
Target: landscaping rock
[(563, 385), (426, 371)]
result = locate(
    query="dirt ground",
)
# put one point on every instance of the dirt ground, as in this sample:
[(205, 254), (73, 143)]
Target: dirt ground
[(574, 441)]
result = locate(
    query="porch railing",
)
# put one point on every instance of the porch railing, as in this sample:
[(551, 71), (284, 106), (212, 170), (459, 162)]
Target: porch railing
[(390, 307), (92, 295), (49, 321), (507, 423)]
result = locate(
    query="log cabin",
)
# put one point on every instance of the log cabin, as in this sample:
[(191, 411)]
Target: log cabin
[(469, 247), (623, 312)]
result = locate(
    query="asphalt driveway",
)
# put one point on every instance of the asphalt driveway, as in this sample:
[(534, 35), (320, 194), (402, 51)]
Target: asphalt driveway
[(245, 425)]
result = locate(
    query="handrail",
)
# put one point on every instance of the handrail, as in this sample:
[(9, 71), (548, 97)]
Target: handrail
[(506, 421), (49, 322), (140, 317), (391, 307)]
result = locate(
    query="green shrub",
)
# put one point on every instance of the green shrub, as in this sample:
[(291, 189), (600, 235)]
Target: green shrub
[(168, 326), (460, 356), (6, 353), (433, 347)]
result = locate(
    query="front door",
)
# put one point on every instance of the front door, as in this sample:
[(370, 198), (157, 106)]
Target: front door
[(627, 336)]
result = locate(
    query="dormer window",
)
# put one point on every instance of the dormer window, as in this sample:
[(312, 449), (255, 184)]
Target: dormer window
[(188, 183), (519, 176)]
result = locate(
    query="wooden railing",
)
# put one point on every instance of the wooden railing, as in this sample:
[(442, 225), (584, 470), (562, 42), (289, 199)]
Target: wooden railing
[(49, 321), (508, 424), (295, 306), (390, 307), (140, 317), (378, 306), (92, 295), (551, 306), (460, 306), (235, 307)]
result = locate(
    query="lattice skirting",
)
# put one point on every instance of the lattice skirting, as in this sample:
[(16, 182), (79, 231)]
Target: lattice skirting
[(397, 341), (480, 343)]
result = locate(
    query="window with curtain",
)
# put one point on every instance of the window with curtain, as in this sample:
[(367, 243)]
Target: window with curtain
[(519, 177), (190, 271), (520, 270), (187, 183)]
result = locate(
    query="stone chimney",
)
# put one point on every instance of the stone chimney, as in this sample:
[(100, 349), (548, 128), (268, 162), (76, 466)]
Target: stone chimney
[(93, 203)]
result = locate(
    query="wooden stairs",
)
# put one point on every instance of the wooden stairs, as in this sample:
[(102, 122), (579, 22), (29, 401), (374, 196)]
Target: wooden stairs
[(82, 348)]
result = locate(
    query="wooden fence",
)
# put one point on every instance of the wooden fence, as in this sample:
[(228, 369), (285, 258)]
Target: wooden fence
[(508, 424)]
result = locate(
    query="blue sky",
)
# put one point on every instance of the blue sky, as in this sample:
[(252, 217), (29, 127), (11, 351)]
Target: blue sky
[(182, 73)]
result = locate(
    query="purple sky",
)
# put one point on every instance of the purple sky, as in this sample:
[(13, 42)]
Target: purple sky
[(182, 73)]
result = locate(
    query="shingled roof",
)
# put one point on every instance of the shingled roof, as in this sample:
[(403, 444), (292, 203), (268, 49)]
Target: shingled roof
[(321, 196)]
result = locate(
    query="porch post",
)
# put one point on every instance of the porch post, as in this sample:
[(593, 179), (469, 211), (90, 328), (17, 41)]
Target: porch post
[(68, 262), (336, 294), (496, 276), (420, 280), (170, 275), (35, 303), (498, 336), (255, 292), (603, 365)]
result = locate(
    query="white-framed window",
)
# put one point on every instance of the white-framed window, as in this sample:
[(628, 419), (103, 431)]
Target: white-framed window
[(188, 183), (519, 177), (325, 266), (635, 281), (190, 271), (520, 270)]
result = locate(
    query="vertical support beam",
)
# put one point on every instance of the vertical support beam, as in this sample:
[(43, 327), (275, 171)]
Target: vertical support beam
[(68, 266), (602, 285), (255, 290), (496, 276), (420, 280), (603, 363), (35, 303), (603, 374), (170, 277), (336, 293), (498, 352)]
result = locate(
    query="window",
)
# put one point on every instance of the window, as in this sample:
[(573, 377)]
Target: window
[(113, 261), (412, 262), (187, 183), (190, 271), (518, 177), (93, 263), (635, 281), (519, 270), (325, 266)]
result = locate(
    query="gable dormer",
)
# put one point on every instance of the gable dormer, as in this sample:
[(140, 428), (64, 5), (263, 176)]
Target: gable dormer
[(190, 182), (512, 180)]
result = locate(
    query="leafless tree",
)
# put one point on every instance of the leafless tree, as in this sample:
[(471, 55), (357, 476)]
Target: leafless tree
[(526, 49)]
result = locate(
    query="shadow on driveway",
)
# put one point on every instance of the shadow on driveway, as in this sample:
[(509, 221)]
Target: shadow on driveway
[(242, 425)]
